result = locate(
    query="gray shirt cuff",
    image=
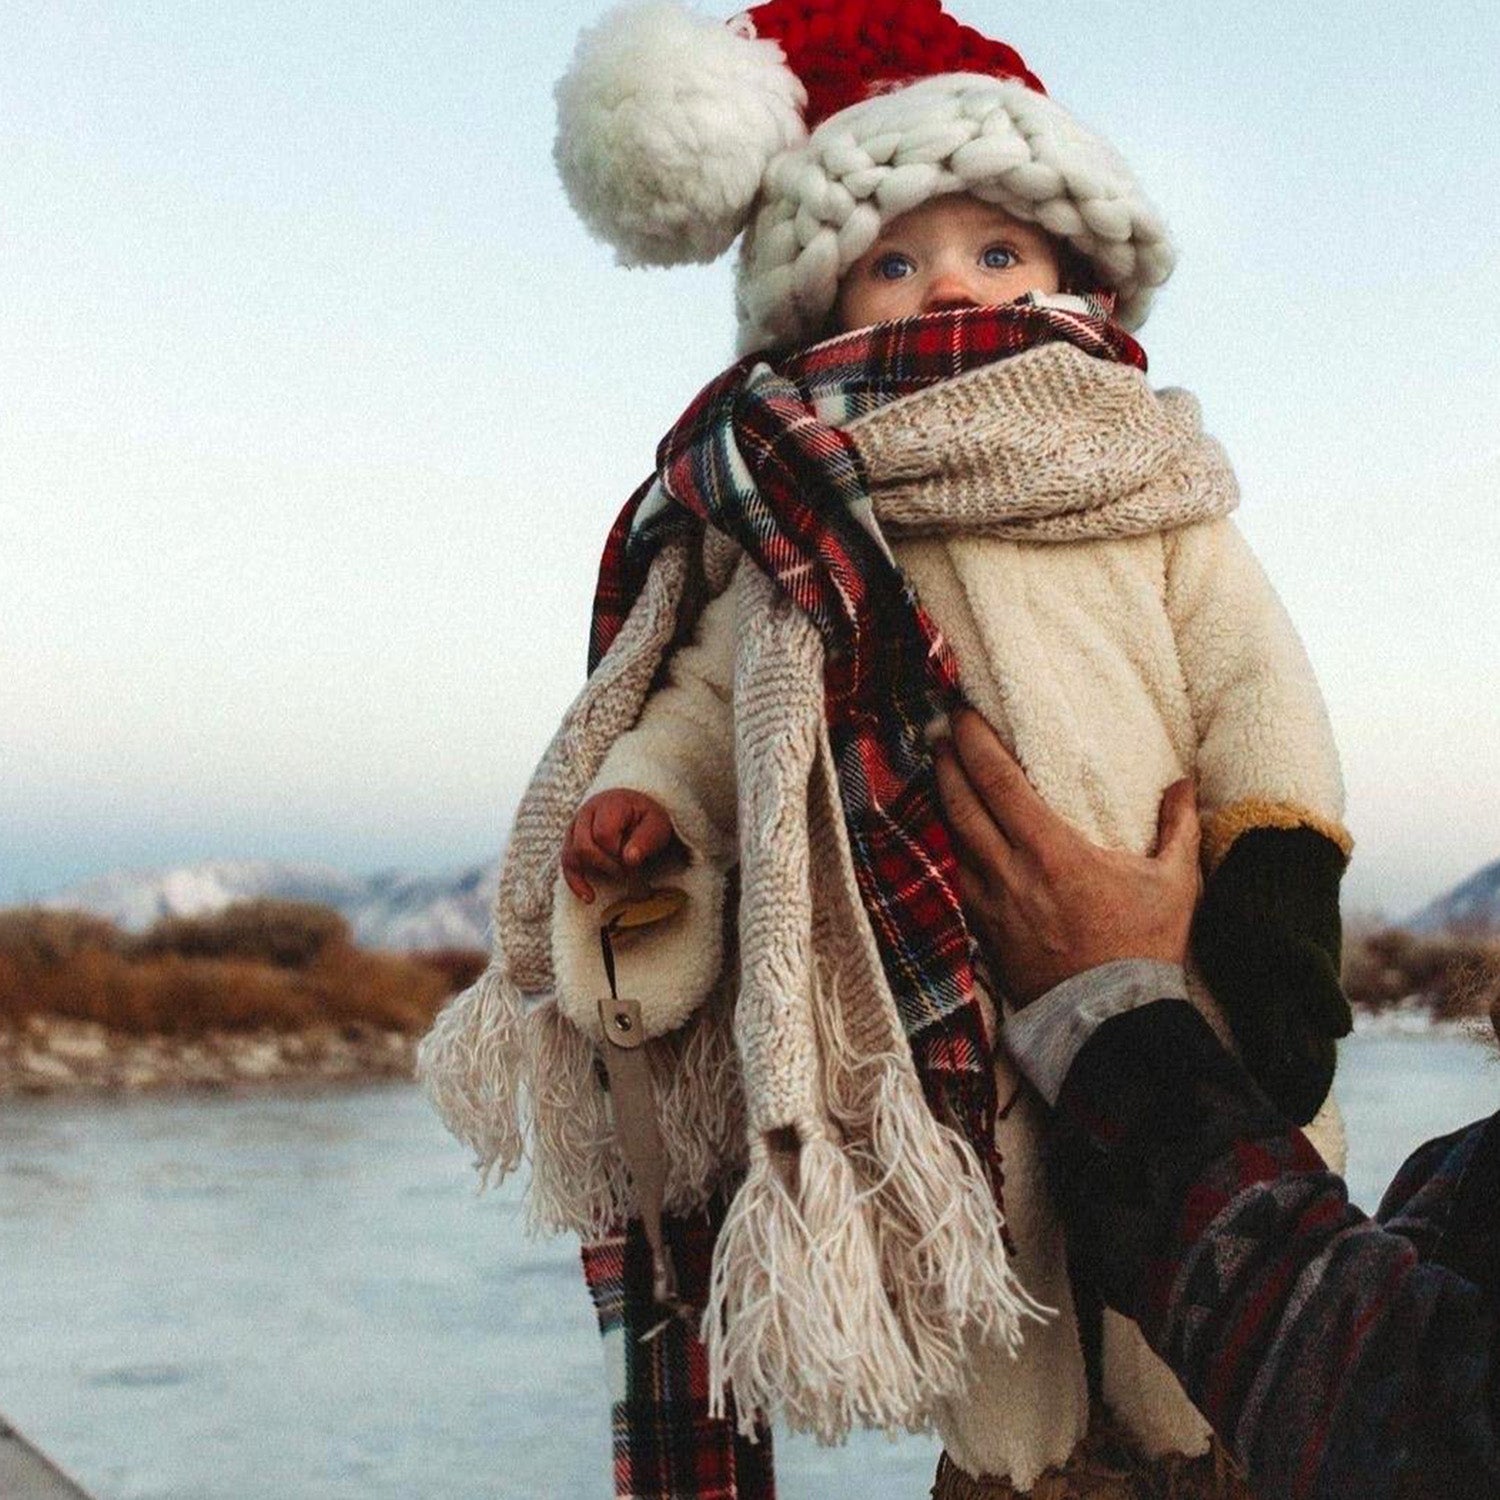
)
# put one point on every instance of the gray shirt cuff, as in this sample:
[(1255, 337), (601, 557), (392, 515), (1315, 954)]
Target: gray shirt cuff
[(1048, 1034)]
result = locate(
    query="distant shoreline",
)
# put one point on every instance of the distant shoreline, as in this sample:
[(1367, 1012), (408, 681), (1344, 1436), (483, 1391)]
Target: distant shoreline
[(1419, 1021), (265, 993), (44, 1055), (276, 994)]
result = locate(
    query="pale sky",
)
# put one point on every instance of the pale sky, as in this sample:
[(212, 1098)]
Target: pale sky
[(318, 402)]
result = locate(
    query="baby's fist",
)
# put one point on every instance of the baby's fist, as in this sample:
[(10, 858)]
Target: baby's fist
[(613, 834)]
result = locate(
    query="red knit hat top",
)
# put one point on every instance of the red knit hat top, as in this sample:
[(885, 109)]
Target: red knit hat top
[(846, 50)]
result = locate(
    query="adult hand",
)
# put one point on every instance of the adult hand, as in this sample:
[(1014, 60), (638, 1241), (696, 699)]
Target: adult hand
[(1046, 903)]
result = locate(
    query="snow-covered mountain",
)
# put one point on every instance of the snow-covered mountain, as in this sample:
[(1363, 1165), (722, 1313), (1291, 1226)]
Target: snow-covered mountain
[(398, 909), (1473, 906), (392, 909)]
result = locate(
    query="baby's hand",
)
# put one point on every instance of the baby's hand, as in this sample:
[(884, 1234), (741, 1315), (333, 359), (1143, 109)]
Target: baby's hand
[(613, 834)]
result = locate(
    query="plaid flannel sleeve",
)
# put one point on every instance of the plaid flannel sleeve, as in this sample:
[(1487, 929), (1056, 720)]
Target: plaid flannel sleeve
[(666, 1445), (1332, 1357)]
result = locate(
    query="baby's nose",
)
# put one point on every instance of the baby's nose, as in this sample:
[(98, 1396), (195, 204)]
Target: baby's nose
[(948, 291)]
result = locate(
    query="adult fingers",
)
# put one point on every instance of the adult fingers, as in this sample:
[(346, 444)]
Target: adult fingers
[(1009, 800), (1178, 832), (972, 890), (975, 882), (979, 840)]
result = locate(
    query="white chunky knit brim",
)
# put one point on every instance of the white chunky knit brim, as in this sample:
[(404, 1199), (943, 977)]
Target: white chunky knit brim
[(822, 204)]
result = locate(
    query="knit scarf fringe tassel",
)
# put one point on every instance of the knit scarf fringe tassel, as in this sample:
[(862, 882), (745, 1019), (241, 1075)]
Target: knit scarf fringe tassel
[(518, 1082), (800, 1317)]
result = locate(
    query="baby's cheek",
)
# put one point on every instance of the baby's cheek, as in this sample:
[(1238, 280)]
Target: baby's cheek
[(858, 306), (839, 319)]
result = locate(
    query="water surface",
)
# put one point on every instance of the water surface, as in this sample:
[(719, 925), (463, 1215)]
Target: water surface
[(300, 1297)]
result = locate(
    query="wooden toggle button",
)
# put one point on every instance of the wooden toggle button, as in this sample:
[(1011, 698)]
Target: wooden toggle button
[(656, 905)]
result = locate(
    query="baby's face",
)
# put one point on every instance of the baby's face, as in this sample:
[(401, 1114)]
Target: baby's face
[(954, 251)]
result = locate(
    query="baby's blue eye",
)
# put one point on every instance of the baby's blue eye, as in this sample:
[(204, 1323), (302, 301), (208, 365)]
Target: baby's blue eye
[(999, 258), (893, 266)]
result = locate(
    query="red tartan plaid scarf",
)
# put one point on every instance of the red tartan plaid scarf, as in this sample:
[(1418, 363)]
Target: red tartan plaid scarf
[(761, 455)]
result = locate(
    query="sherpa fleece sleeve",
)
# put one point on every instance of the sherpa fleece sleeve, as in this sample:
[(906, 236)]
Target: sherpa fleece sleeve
[(1266, 754), (1335, 1355), (1267, 935), (681, 753)]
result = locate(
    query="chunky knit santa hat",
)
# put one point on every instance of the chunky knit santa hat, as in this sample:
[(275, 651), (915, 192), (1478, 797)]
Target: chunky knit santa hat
[(814, 123)]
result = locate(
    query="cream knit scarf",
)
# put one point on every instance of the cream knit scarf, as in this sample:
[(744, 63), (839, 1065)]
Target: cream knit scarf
[(862, 1254)]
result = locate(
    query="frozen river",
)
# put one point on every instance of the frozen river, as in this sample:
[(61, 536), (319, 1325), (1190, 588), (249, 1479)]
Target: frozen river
[(239, 1298)]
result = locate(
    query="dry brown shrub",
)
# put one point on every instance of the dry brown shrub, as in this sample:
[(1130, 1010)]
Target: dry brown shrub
[(1455, 977), (1476, 983), (190, 996), (32, 935), (82, 988), (288, 934), (170, 995), (14, 1002), (385, 990), (276, 965)]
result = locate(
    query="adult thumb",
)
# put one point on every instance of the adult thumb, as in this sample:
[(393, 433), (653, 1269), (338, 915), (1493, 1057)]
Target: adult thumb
[(1178, 832)]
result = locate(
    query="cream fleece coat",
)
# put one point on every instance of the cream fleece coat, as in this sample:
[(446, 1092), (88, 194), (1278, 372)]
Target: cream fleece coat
[(1112, 668)]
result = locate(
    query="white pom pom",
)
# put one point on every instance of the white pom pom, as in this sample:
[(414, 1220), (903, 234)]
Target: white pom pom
[(665, 124)]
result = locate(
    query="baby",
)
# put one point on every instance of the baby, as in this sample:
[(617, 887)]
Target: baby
[(938, 476)]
